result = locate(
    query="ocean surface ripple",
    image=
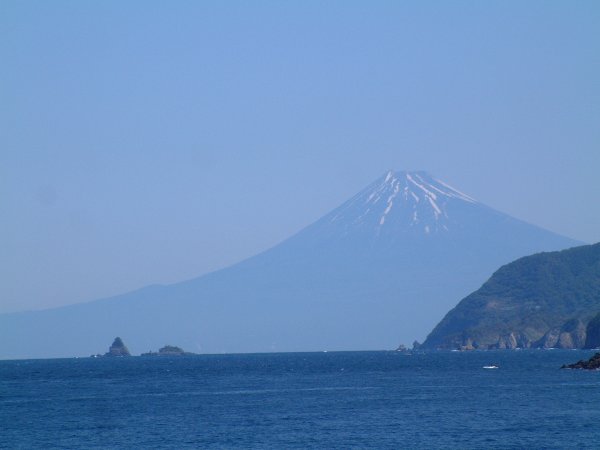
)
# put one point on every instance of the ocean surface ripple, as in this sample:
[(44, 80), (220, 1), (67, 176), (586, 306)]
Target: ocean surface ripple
[(302, 400)]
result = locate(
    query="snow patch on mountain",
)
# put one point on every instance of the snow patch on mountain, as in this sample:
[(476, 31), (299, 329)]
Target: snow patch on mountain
[(398, 201)]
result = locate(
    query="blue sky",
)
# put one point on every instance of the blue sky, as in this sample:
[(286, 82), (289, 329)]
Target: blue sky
[(146, 142)]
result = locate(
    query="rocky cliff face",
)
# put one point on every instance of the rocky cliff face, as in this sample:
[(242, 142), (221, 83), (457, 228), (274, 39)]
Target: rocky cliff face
[(592, 338), (571, 335)]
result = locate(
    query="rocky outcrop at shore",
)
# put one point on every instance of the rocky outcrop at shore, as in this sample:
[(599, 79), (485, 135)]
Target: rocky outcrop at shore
[(591, 364)]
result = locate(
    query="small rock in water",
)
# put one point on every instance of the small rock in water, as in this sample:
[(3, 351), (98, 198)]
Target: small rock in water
[(591, 364), (118, 348)]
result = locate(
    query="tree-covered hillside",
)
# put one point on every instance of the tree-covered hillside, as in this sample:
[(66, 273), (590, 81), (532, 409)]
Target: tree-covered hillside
[(543, 300)]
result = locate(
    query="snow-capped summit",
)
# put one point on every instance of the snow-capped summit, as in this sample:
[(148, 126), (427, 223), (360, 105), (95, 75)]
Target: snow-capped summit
[(404, 201)]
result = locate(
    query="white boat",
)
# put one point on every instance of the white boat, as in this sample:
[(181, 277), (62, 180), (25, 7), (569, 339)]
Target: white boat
[(492, 366)]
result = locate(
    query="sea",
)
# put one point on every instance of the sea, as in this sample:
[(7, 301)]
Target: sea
[(326, 400)]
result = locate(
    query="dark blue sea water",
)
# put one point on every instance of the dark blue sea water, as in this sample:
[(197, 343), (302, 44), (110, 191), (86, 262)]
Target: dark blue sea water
[(302, 400)]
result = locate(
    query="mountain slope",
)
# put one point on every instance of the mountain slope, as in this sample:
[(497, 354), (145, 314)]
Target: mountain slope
[(380, 269), (543, 300)]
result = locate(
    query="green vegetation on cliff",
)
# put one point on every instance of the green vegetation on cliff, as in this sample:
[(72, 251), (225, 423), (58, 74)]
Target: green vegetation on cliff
[(543, 300)]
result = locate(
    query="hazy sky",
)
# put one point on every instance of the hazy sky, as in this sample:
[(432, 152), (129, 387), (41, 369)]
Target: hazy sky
[(150, 142)]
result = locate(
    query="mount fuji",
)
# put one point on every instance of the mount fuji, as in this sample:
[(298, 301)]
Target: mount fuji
[(381, 269)]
